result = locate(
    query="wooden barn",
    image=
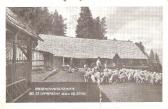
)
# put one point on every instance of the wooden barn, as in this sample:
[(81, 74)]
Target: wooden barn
[(79, 51), (41, 60), (20, 40)]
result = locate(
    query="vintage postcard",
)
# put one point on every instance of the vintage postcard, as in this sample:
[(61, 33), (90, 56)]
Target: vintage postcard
[(84, 54)]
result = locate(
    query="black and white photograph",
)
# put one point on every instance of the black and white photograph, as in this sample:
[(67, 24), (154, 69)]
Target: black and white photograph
[(84, 54)]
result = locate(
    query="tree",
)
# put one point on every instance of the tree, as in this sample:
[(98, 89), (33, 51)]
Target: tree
[(96, 28), (40, 20), (154, 62), (157, 58), (32, 16), (99, 28), (158, 64), (141, 47), (57, 27), (151, 55), (103, 27), (89, 27), (85, 24)]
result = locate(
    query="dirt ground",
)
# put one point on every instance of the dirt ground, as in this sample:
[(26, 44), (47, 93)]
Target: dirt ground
[(132, 92), (60, 76), (116, 92)]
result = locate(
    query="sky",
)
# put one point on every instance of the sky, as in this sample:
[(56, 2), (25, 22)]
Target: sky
[(123, 23)]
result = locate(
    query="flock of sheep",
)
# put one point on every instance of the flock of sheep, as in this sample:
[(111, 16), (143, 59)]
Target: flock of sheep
[(120, 75)]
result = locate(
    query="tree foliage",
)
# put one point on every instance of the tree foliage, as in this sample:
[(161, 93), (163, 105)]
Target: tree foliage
[(88, 27), (40, 20), (157, 58), (141, 47), (85, 24), (57, 26), (154, 61), (151, 55)]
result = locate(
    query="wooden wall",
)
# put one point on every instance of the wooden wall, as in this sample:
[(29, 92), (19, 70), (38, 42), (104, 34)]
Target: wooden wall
[(37, 60), (18, 63)]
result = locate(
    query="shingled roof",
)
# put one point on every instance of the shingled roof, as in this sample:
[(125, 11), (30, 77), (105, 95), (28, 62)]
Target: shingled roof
[(89, 48), (13, 20)]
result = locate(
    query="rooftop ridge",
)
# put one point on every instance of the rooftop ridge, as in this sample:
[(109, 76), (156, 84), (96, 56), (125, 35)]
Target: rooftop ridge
[(46, 35), (89, 48)]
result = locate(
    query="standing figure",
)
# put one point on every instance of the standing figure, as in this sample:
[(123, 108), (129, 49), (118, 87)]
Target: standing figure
[(98, 64), (98, 72)]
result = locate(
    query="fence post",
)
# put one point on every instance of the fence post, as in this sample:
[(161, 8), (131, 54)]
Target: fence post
[(14, 57), (29, 52)]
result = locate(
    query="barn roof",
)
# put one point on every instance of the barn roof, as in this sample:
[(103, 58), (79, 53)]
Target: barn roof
[(89, 48), (12, 19)]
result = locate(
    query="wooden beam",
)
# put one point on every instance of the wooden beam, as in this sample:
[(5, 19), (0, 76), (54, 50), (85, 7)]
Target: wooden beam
[(14, 46), (15, 82), (14, 56), (29, 54), (23, 50), (20, 96)]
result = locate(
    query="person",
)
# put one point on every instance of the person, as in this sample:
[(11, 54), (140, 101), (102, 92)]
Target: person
[(98, 64)]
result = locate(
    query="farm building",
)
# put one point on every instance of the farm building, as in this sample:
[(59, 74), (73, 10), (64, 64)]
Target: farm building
[(20, 40), (41, 60), (79, 51)]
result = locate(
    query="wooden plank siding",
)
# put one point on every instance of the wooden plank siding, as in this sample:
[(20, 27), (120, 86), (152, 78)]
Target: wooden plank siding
[(37, 60), (18, 67), (19, 44), (41, 60)]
